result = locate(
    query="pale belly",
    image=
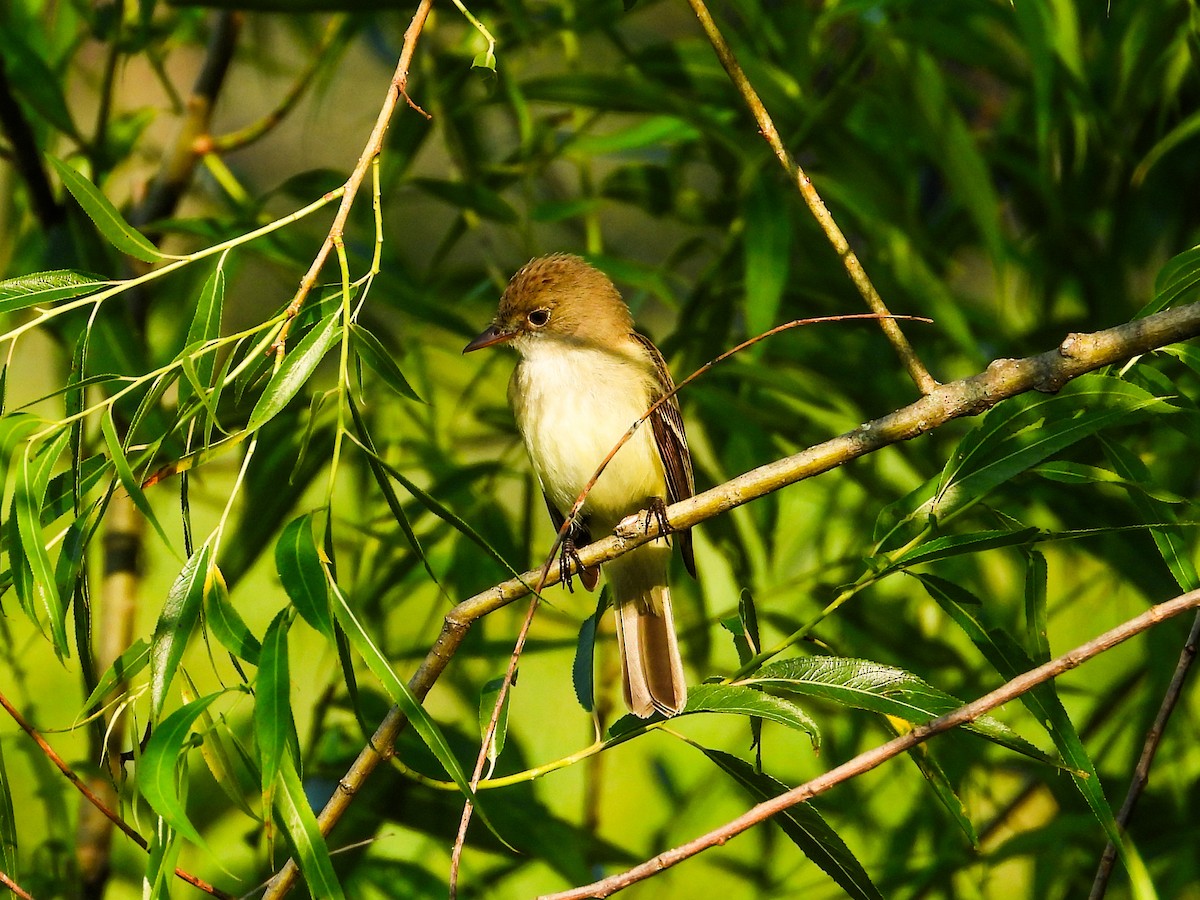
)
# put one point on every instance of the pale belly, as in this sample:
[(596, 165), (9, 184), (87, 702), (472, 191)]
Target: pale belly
[(580, 403)]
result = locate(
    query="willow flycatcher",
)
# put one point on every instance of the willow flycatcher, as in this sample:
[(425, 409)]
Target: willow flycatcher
[(583, 378)]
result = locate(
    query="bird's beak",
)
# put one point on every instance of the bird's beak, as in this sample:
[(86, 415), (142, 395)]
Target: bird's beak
[(494, 334)]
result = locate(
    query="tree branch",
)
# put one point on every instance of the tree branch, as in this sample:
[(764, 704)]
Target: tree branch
[(864, 762), (1003, 379), (766, 127)]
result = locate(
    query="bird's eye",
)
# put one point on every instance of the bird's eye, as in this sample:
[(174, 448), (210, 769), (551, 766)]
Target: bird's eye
[(539, 318)]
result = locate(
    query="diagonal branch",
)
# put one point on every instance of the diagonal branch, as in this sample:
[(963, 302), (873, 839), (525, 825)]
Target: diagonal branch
[(766, 127), (1077, 355), (864, 762)]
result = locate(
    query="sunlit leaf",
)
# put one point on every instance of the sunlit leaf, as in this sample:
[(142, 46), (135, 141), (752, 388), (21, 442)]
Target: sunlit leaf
[(487, 705), (299, 566), (163, 766), (110, 223), (375, 355), (175, 624), (223, 620), (46, 289), (272, 703), (296, 369), (300, 823)]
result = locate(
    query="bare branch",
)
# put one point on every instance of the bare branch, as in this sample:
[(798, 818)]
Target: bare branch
[(864, 762)]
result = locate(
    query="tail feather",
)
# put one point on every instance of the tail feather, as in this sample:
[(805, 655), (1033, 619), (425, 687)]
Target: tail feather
[(651, 666)]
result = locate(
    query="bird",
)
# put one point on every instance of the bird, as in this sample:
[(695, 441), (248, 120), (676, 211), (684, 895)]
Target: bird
[(584, 376)]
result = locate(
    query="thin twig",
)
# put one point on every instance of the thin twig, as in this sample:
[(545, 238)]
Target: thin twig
[(72, 777), (397, 89), (15, 888), (1141, 773), (1077, 355), (916, 369), (864, 762)]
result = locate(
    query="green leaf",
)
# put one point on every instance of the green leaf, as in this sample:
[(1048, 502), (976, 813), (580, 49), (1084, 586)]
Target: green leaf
[(46, 288), (33, 476), (272, 701), (1037, 627), (804, 826), (119, 233), (487, 704), (952, 545), (767, 243), (128, 480), (582, 669), (887, 690), (223, 620), (734, 699), (299, 823), (206, 326), (175, 624), (1009, 660), (937, 781), (420, 720), (1024, 431), (297, 366), (648, 132), (161, 857), (299, 566), (124, 667), (375, 355), (163, 766)]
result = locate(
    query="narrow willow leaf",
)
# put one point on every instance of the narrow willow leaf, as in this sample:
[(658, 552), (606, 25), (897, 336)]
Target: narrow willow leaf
[(887, 690), (1009, 660), (60, 494), (272, 703), (961, 544), (738, 700), (487, 705), (205, 326), (300, 823), (299, 566), (379, 473), (46, 288), (1024, 431), (1174, 549), (163, 766), (223, 620), (124, 667), (469, 195), (375, 355), (9, 856), (175, 623), (583, 667), (937, 781), (33, 477), (127, 479), (422, 724), (1037, 628), (33, 78), (161, 856), (804, 826), (295, 371), (110, 223)]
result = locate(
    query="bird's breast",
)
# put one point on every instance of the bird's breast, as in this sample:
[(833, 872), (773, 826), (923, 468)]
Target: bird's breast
[(572, 405)]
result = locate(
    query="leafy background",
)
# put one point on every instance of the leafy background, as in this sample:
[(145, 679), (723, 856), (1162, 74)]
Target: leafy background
[(1014, 171)]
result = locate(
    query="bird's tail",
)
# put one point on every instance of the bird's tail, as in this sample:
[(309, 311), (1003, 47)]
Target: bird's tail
[(651, 667)]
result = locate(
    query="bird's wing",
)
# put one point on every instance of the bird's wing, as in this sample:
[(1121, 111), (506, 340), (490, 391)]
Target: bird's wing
[(667, 424)]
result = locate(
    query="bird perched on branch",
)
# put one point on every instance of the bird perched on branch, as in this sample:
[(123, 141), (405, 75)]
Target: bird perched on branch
[(584, 377)]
